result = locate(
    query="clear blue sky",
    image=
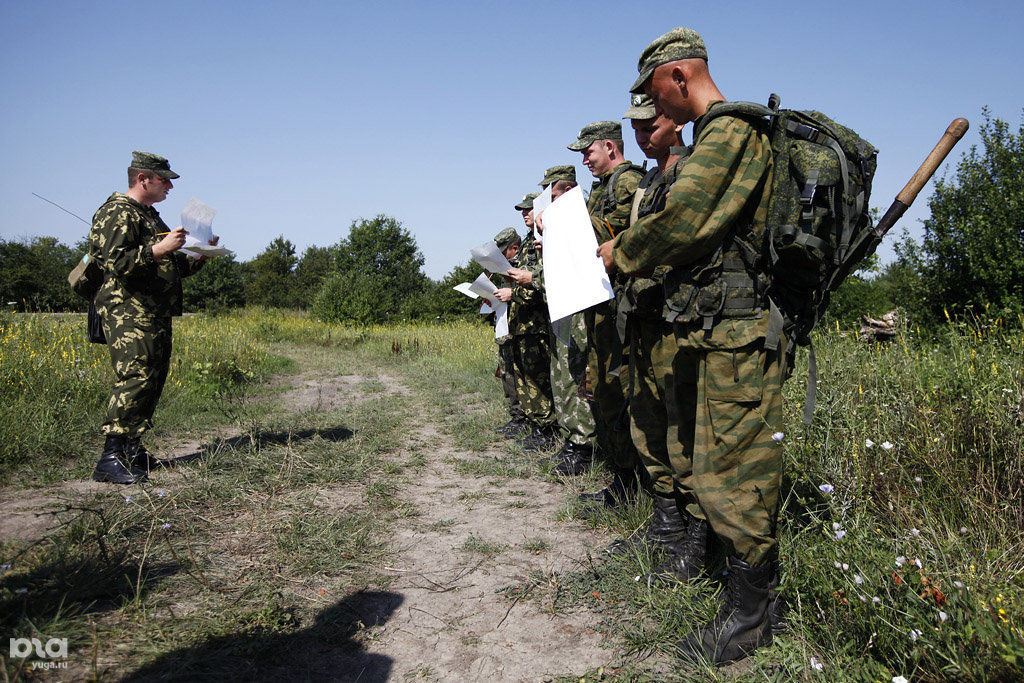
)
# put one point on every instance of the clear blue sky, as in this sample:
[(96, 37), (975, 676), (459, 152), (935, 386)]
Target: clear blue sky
[(298, 118)]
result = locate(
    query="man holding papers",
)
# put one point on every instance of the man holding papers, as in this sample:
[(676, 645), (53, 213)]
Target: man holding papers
[(141, 292)]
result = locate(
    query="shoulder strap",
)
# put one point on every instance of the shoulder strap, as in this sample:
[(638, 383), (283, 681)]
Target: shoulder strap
[(744, 110), (609, 200), (638, 196)]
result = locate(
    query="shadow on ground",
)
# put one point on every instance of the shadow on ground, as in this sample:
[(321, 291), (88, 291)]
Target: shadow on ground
[(260, 440), (327, 650)]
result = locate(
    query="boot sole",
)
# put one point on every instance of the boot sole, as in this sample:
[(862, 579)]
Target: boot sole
[(105, 478)]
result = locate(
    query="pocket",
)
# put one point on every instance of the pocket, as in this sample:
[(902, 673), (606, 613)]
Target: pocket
[(735, 375)]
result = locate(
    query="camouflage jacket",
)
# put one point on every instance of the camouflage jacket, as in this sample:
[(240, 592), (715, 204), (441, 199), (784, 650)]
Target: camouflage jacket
[(618, 218), (135, 285), (527, 311)]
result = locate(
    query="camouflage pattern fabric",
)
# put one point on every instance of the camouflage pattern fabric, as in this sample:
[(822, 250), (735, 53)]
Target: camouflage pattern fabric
[(527, 311), (135, 284), (140, 353), (532, 368), (568, 365), (506, 369), (618, 218)]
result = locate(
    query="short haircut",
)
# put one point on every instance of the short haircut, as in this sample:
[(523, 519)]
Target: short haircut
[(133, 174), (619, 145), (563, 185)]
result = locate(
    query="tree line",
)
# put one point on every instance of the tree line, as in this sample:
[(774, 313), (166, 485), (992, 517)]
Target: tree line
[(970, 258)]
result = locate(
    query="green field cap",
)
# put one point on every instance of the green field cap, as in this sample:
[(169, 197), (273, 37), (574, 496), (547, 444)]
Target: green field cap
[(153, 162), (679, 43), (641, 108), (527, 202), (556, 173), (506, 238), (600, 130)]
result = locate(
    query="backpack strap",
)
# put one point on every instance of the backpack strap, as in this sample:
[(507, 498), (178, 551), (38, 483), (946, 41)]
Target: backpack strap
[(638, 196), (608, 201)]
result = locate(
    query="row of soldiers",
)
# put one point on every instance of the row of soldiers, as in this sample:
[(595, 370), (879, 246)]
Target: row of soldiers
[(676, 382)]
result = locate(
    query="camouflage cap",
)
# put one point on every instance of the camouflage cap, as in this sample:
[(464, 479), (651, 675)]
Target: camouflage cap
[(641, 108), (556, 173), (679, 43), (527, 202), (506, 238), (600, 130), (152, 162)]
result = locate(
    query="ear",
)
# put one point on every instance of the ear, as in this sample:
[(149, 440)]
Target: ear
[(678, 77), (610, 147)]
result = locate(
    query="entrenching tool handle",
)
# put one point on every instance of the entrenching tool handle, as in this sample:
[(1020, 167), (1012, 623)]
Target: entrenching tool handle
[(909, 193)]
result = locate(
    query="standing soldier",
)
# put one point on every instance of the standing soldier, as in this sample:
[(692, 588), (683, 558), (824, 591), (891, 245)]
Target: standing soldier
[(609, 204), (528, 325), (141, 292), (712, 222)]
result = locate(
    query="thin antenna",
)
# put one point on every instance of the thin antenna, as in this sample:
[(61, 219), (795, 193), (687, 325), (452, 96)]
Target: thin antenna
[(62, 208)]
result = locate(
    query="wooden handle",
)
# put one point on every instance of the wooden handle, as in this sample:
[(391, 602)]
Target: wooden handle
[(952, 136)]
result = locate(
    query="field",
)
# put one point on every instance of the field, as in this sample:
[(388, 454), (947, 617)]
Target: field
[(341, 508)]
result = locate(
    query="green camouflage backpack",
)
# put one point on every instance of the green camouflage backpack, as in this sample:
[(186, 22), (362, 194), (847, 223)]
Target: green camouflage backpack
[(818, 208)]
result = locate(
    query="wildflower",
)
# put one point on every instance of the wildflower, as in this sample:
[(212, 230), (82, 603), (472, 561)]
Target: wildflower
[(838, 565), (816, 665), (858, 579), (900, 561), (963, 530), (863, 599), (128, 499), (958, 584), (826, 488), (918, 562), (165, 526), (160, 494), (837, 531), (943, 616), (5, 568), (915, 634), (886, 446), (915, 533), (868, 443), (846, 567), (778, 436), (918, 480), (876, 600), (899, 679)]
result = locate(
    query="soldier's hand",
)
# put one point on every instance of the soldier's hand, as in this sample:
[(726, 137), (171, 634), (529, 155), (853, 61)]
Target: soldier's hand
[(172, 241), (538, 222), (539, 245), (504, 294), (605, 252), (520, 276)]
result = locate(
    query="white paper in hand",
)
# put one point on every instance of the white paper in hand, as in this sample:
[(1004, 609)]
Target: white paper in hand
[(574, 275), (197, 219), (542, 202), (490, 258)]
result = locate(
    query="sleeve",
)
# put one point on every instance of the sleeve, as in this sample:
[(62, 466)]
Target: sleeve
[(125, 255), (727, 170), (625, 188)]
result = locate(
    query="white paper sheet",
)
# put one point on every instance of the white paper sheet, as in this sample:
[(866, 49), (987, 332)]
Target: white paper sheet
[(574, 276), (200, 249), (542, 202), (464, 288), (490, 258), (483, 287), (501, 319), (197, 219)]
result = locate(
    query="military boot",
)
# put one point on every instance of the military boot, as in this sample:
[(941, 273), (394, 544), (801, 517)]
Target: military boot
[(540, 439), (139, 456), (666, 528), (622, 489), (516, 428), (743, 622), (114, 465), (688, 558), (573, 459)]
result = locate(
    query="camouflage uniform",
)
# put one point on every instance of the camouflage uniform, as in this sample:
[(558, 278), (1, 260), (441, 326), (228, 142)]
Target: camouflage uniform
[(710, 220), (507, 375), (528, 326), (605, 352), (137, 300)]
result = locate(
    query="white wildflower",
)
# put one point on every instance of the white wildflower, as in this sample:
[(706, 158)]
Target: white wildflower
[(826, 488), (920, 565), (899, 679), (958, 584), (868, 443), (876, 600), (943, 616), (886, 446), (915, 532), (816, 665), (858, 579), (918, 479), (915, 634), (838, 565), (778, 436), (846, 567), (963, 530), (900, 561)]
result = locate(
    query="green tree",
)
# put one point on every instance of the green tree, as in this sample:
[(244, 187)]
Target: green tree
[(33, 274), (377, 275), (972, 253), (270, 277), (217, 287), (314, 266), (441, 301)]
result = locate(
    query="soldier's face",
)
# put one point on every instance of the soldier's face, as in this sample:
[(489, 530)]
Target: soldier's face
[(597, 158), (155, 188), (528, 217), (667, 88), (512, 251)]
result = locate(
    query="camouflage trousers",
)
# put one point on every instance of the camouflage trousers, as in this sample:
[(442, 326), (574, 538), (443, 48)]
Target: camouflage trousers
[(140, 353), (532, 368), (506, 372), (662, 409), (604, 368), (737, 465), (568, 365)]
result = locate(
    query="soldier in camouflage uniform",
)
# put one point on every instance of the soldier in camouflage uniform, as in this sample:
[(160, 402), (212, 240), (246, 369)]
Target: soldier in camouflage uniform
[(141, 292), (709, 229), (611, 198), (527, 325), (574, 419)]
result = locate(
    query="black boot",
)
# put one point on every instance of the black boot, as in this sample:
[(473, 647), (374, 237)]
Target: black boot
[(743, 622), (516, 428), (139, 457), (573, 459), (688, 558), (666, 529), (114, 465), (540, 439), (622, 488)]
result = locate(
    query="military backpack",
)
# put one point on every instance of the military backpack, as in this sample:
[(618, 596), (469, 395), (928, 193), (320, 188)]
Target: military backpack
[(818, 208)]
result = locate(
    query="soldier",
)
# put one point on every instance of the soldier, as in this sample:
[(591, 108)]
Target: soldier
[(574, 418), (712, 222), (609, 204), (527, 325), (140, 294)]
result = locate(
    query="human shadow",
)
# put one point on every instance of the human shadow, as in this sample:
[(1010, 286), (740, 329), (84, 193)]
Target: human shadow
[(327, 650), (260, 440)]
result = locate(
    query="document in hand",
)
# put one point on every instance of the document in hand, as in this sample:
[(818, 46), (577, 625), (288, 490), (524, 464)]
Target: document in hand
[(197, 219), (542, 202), (574, 275), (483, 288), (490, 258)]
